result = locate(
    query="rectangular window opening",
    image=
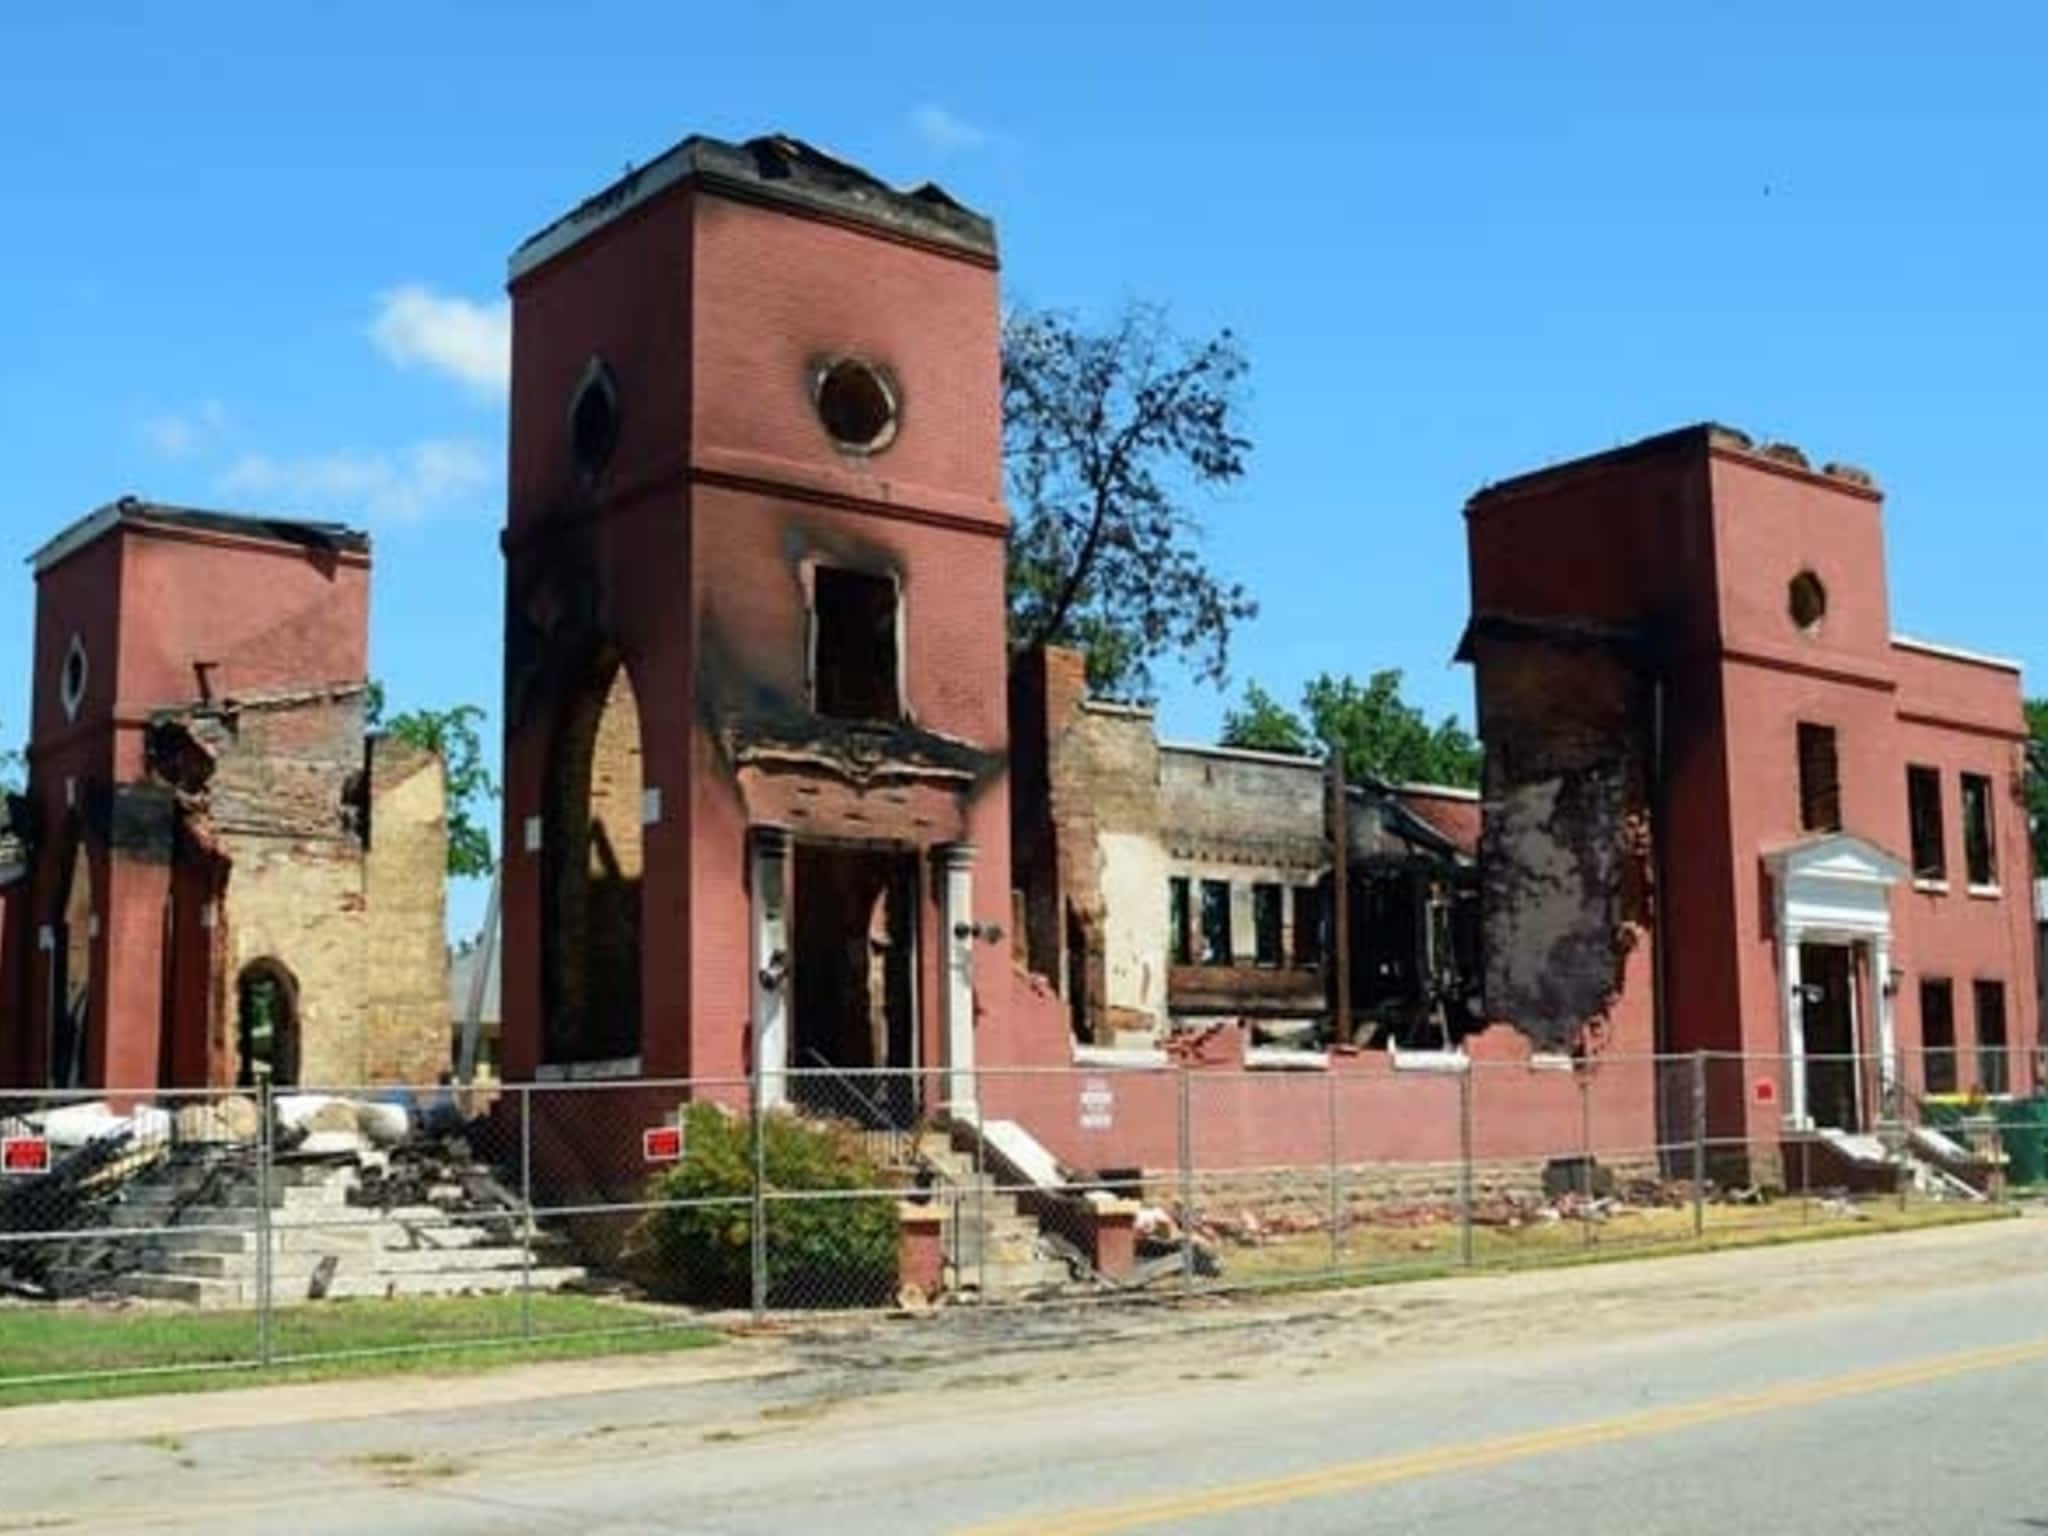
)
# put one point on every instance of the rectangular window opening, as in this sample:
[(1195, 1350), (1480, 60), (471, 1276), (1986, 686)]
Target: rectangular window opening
[(1938, 1034), (1923, 806), (1215, 922), (1266, 919), (1179, 946), (853, 645), (1980, 855), (1820, 783), (1308, 925), (1994, 1074)]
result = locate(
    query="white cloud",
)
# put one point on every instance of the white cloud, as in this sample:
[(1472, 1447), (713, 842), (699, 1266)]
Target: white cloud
[(468, 341), (175, 434), (946, 133), (376, 487)]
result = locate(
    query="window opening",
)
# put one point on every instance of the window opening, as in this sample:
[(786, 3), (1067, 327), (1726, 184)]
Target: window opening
[(72, 678), (266, 1026), (1215, 922), (1266, 909), (1179, 943), (1807, 600), (1923, 806), (1993, 1070), (1820, 784), (854, 658), (857, 406), (593, 420), (1308, 925), (1979, 851), (1938, 1034)]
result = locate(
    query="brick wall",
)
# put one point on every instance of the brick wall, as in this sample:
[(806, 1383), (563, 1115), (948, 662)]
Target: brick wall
[(405, 1028)]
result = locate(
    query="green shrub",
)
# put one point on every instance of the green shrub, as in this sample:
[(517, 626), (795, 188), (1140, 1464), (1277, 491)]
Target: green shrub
[(835, 1250)]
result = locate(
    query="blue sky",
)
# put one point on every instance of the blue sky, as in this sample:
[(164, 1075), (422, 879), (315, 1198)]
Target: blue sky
[(254, 257)]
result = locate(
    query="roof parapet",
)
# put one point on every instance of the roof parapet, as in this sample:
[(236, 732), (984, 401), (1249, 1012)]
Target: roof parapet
[(773, 168)]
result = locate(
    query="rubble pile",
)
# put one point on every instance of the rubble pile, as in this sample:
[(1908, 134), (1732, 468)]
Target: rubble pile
[(361, 1197), (1596, 1199)]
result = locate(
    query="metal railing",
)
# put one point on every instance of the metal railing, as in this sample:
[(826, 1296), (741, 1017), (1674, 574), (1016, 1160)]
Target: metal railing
[(271, 1226)]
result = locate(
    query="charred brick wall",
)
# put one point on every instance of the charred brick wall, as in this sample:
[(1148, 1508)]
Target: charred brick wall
[(1565, 852)]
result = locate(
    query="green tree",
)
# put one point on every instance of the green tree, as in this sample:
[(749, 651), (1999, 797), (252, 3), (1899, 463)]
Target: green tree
[(1380, 733), (2037, 782), (453, 736), (1108, 436), (1265, 724)]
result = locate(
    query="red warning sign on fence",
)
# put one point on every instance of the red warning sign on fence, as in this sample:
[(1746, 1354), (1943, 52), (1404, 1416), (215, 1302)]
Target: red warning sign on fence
[(24, 1154), (662, 1144), (1764, 1090)]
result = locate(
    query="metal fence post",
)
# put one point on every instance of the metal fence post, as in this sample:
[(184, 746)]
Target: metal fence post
[(759, 1222), (980, 1194), (1699, 1144), (1335, 1214), (1465, 1165), (1585, 1077), (526, 1210), (265, 1147), (1187, 1186)]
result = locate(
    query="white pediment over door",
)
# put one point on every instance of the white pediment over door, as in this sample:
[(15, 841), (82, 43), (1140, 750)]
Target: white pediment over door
[(1835, 884)]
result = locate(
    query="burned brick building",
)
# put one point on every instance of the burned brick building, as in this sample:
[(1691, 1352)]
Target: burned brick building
[(755, 749), (1727, 808), (1167, 884), (216, 874)]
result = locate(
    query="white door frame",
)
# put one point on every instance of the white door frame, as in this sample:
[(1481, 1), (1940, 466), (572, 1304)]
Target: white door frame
[(1834, 888)]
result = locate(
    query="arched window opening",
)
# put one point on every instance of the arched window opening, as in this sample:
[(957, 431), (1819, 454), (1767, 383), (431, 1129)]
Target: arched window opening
[(591, 842), (266, 1025), (71, 985)]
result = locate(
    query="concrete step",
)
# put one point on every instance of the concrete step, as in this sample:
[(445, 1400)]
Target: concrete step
[(352, 1262), (483, 1282), (192, 1290), (212, 1293), (1008, 1279), (319, 1238)]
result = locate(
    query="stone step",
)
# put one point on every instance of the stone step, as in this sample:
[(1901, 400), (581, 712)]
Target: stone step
[(299, 1266), (282, 1240), (208, 1292), (288, 1197), (997, 1279), (365, 1236), (192, 1290)]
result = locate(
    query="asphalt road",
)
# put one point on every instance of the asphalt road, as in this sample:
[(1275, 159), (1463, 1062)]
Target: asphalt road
[(1887, 1384)]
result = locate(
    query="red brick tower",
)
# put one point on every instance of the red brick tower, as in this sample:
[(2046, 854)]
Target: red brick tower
[(144, 612), (755, 739)]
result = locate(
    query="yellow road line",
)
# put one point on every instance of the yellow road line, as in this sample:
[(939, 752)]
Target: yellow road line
[(1351, 1477)]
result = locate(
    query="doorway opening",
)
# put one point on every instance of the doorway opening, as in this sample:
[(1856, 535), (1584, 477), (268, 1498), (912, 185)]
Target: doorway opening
[(855, 988), (266, 1025), (1827, 975), (591, 871)]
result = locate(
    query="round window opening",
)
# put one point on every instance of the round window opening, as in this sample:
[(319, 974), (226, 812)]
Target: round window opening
[(1808, 601), (593, 420), (857, 406)]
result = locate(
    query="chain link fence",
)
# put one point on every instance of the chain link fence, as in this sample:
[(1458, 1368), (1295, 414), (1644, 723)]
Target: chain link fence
[(178, 1232)]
